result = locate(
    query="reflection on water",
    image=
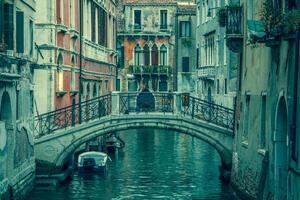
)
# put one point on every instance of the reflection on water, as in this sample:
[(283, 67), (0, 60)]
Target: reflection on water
[(154, 164)]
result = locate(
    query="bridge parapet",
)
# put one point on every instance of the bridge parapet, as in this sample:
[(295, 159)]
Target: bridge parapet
[(118, 103)]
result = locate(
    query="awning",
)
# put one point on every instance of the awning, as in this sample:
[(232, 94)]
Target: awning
[(256, 28)]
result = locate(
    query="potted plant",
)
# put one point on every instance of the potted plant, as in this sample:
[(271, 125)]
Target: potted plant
[(272, 19), (291, 23)]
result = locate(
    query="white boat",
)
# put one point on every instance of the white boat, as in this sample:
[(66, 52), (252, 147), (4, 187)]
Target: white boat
[(92, 161)]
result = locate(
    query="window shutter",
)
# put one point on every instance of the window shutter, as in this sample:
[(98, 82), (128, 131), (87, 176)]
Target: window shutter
[(20, 32), (8, 29), (1, 20), (185, 64)]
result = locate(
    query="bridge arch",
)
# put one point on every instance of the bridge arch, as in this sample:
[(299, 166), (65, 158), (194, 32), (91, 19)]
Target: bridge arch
[(60, 146)]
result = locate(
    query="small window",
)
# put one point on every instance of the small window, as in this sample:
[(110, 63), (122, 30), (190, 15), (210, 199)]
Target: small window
[(30, 37), (137, 19), (185, 29), (20, 31), (185, 64), (218, 86), (225, 86), (163, 55), (138, 55), (163, 19), (118, 85)]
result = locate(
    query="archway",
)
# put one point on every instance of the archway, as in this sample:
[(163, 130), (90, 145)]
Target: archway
[(281, 151), (5, 118)]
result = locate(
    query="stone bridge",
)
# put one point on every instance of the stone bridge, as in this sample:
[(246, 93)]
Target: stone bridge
[(58, 134)]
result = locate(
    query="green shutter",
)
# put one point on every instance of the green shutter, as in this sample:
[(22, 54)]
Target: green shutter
[(20, 32), (1, 20), (8, 24)]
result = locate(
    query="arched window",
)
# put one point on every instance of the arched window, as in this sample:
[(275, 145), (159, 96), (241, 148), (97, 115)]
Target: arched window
[(72, 78), (163, 55), (88, 91), (146, 55), (138, 55), (59, 73), (154, 54)]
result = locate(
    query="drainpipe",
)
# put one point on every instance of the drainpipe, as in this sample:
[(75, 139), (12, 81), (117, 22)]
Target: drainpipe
[(175, 73), (295, 98), (80, 57)]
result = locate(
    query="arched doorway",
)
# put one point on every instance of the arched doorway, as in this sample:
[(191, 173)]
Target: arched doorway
[(281, 151), (5, 118)]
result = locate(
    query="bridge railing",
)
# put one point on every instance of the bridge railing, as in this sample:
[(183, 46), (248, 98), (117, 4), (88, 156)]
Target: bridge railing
[(124, 103), (146, 102), (204, 110), (70, 116)]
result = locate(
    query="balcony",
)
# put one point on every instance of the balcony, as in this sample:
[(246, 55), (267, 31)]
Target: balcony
[(150, 69), (206, 72), (232, 18)]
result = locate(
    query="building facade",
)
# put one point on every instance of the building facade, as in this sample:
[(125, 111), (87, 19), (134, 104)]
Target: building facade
[(17, 60), (266, 151), (186, 22), (60, 47), (146, 44), (216, 65)]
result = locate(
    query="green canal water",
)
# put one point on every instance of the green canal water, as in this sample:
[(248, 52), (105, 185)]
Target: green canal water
[(154, 164)]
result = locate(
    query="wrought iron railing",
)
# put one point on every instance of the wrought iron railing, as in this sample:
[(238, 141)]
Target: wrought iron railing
[(207, 111), (69, 116), (234, 24), (99, 107), (146, 102), (150, 69)]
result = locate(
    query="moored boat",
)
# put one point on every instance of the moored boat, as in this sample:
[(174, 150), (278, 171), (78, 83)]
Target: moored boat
[(92, 161)]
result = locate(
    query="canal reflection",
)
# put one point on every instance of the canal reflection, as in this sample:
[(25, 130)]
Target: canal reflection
[(154, 164)]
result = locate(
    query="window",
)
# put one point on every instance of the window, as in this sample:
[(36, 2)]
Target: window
[(59, 74), (8, 29), (246, 118), (225, 86), (185, 64), (163, 19), (30, 37), (100, 88), (209, 49), (263, 122), (163, 85), (138, 55), (185, 29), (72, 79), (118, 85), (218, 86), (137, 19), (93, 21), (20, 31), (102, 27), (197, 57), (106, 86), (163, 55), (154, 54), (146, 55)]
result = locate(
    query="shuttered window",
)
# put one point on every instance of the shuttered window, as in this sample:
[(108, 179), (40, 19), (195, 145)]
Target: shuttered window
[(20, 31), (185, 64), (8, 31), (1, 21)]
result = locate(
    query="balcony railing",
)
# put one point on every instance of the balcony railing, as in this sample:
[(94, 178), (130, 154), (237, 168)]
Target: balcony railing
[(150, 69), (234, 24), (206, 72)]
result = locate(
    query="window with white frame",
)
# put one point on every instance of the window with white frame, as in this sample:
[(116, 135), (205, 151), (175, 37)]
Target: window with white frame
[(209, 49), (163, 55), (138, 55)]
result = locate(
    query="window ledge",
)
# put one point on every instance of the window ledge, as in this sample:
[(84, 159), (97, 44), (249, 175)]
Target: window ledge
[(261, 152), (73, 92), (245, 144), (61, 93)]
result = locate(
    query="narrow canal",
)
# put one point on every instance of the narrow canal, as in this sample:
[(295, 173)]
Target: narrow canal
[(154, 164)]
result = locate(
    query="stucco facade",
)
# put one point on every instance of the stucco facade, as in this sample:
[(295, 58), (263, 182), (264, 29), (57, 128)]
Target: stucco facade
[(185, 47), (265, 156), (146, 44), (17, 59), (58, 39), (216, 64)]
